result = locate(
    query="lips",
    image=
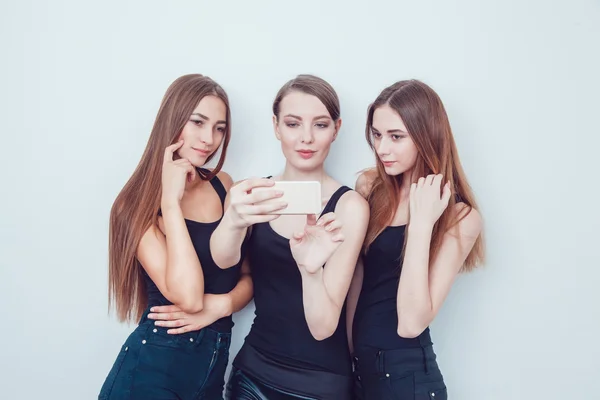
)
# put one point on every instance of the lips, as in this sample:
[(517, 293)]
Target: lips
[(306, 154), (388, 163), (202, 151)]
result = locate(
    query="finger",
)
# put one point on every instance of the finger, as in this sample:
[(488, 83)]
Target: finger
[(264, 209), (411, 195), (437, 181), (166, 316), (171, 149), (333, 226), (429, 179), (170, 324), (165, 309), (257, 197), (252, 183), (179, 331), (325, 219), (338, 237), (311, 219), (447, 193), (421, 182)]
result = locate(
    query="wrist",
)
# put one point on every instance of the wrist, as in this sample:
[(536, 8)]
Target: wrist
[(307, 272), (417, 226), (169, 204)]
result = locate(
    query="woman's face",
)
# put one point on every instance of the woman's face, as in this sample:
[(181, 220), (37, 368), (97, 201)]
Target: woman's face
[(203, 133), (393, 144), (305, 130)]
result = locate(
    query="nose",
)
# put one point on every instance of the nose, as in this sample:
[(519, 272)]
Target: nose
[(206, 136), (383, 148), (307, 135)]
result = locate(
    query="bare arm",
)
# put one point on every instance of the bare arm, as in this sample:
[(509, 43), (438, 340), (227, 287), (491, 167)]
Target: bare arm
[(241, 211), (172, 263), (352, 301), (216, 306), (325, 291), (362, 186), (424, 287)]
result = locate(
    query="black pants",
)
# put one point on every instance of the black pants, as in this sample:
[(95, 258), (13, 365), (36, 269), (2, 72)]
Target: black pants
[(153, 365), (402, 374), (241, 386), (257, 376)]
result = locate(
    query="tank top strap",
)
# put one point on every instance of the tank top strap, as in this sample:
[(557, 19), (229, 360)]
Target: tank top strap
[(330, 206), (217, 185)]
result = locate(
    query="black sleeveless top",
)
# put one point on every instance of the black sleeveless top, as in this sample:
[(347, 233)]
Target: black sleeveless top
[(216, 280), (280, 331), (376, 318)]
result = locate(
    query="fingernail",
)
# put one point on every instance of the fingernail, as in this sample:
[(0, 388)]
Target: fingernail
[(152, 309)]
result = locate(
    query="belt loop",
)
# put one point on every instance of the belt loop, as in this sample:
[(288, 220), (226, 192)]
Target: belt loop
[(380, 362)]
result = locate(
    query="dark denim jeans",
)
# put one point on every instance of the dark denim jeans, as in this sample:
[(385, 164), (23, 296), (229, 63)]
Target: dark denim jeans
[(402, 374), (154, 365)]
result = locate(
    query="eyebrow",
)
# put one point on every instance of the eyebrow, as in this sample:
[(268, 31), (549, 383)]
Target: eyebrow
[(315, 118), (208, 119), (390, 130)]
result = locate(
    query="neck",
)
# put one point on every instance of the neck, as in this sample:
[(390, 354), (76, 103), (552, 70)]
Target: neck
[(194, 182), (406, 181), (292, 174)]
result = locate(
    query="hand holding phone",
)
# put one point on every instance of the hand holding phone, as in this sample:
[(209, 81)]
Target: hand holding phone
[(253, 201)]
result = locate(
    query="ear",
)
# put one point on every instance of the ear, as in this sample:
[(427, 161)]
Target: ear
[(338, 125), (276, 128)]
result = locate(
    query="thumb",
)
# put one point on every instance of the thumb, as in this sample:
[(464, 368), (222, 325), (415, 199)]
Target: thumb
[(296, 238), (311, 219)]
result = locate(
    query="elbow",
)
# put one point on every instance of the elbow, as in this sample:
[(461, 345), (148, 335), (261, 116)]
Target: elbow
[(226, 262), (410, 329), (192, 306), (321, 331)]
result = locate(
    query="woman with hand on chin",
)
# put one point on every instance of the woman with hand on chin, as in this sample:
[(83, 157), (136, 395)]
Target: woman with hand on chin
[(159, 254), (414, 248)]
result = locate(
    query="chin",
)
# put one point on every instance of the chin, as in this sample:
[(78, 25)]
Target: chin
[(393, 171)]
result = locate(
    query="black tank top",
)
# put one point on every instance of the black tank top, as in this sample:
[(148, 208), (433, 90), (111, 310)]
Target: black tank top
[(376, 319), (216, 280), (280, 330)]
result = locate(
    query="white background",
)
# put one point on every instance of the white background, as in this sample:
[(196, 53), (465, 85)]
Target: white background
[(81, 83)]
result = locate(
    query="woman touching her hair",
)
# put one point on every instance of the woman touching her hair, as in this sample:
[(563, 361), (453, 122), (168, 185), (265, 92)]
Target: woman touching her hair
[(424, 229)]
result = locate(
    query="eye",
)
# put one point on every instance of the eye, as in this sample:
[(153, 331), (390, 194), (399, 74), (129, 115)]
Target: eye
[(376, 135), (396, 137), (197, 121), (322, 125), (292, 124), (221, 129)]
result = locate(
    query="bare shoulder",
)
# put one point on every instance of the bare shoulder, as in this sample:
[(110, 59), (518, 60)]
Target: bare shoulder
[(226, 179), (353, 206), (365, 180), (470, 221)]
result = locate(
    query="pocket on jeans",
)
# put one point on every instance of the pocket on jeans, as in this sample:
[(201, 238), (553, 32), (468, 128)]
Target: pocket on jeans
[(434, 392), (401, 387), (439, 394), (109, 382)]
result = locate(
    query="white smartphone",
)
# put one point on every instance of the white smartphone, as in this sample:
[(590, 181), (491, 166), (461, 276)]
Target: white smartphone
[(302, 197)]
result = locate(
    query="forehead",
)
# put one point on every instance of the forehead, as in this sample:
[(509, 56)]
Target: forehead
[(386, 118), (211, 105), (302, 104)]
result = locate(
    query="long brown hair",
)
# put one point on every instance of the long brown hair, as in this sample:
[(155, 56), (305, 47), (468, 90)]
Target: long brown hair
[(424, 115), (312, 85), (136, 207)]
